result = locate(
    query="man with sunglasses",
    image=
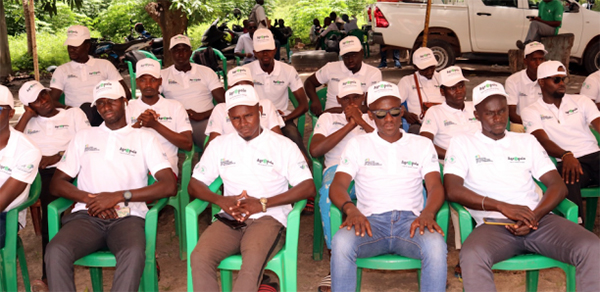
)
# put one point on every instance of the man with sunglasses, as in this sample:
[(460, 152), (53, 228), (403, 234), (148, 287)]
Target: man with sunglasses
[(388, 167), (244, 47), (561, 123)]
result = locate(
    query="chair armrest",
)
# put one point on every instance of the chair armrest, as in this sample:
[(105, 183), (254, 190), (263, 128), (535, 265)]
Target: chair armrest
[(34, 194), (293, 226), (192, 211), (568, 210), (151, 225), (442, 218), (465, 221), (54, 210)]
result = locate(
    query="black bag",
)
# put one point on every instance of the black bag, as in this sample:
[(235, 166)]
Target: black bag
[(207, 58), (332, 44)]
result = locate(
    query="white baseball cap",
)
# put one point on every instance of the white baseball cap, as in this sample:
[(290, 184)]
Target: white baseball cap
[(550, 68), (263, 40), (30, 91), (380, 90), (147, 66), (349, 86), (350, 44), (487, 89), (238, 74), (179, 39), (76, 35), (6, 97), (534, 47), (423, 58), (240, 95), (451, 76), (111, 89)]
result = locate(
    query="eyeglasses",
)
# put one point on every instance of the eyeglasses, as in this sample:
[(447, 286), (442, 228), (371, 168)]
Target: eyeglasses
[(394, 112), (558, 79)]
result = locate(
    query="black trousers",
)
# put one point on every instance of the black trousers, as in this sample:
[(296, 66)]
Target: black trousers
[(591, 177)]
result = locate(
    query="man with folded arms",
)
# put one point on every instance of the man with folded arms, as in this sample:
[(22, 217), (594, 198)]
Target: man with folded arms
[(111, 163), (257, 166), (491, 173), (388, 167)]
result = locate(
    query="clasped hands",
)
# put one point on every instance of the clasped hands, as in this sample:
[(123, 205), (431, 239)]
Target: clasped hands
[(102, 205), (147, 119), (240, 207)]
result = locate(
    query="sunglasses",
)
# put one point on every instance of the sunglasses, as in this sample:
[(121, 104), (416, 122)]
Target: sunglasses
[(394, 112), (558, 79)]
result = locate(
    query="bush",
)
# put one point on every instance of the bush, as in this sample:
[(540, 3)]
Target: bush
[(195, 33), (114, 21)]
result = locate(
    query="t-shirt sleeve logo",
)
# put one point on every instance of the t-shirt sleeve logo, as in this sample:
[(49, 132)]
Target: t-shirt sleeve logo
[(450, 159), (28, 168)]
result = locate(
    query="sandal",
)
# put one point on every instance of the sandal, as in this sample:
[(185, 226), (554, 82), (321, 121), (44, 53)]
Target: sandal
[(458, 272), (39, 286), (267, 286), (325, 285)]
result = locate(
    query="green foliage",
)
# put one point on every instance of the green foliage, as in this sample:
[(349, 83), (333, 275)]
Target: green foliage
[(204, 11), (195, 33), (65, 17), (15, 21), (114, 21)]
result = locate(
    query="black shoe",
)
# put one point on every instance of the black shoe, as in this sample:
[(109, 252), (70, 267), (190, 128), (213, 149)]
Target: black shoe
[(520, 45)]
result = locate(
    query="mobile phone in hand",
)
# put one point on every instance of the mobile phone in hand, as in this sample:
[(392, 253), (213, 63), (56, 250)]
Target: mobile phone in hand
[(229, 221), (498, 221)]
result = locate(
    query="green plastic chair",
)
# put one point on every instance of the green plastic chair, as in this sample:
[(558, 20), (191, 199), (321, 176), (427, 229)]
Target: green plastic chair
[(361, 36), (131, 70), (97, 260), (531, 263), (302, 118), (284, 263), (13, 247), (181, 200), (329, 35), (222, 73)]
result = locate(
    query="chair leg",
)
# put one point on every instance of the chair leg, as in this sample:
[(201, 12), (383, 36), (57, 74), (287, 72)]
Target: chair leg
[(419, 279), (226, 280), (358, 279), (36, 217), (318, 236), (96, 275), (9, 272), (590, 212), (2, 275), (532, 280), (23, 264), (570, 277)]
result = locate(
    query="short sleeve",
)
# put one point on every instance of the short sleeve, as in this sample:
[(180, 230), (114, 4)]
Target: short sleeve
[(112, 73), (26, 166), (297, 169), (322, 125), (216, 120), (430, 124), (239, 47), (349, 159), (323, 74), (70, 163), (295, 81), (182, 120), (212, 80), (207, 169), (376, 77), (512, 90), (541, 163), (430, 159), (404, 88), (80, 119), (558, 12), (456, 159), (590, 109), (531, 120), (591, 88), (58, 78), (272, 118), (155, 156)]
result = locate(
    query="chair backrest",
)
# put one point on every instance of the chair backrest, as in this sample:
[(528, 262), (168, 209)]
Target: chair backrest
[(211, 58), (358, 33), (12, 216)]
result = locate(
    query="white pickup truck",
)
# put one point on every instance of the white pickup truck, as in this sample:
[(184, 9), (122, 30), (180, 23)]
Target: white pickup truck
[(457, 27)]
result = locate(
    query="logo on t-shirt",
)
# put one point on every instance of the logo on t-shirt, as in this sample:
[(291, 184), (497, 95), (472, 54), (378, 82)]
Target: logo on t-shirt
[(473, 119), (25, 168), (257, 83), (31, 132), (71, 76), (127, 151), (226, 162), (448, 123), (5, 169), (302, 165), (369, 162), (94, 73), (195, 79), (264, 162), (571, 111), (481, 159), (450, 159), (335, 79), (90, 148), (338, 124), (543, 117), (171, 81), (410, 164), (64, 127), (516, 159), (278, 82), (165, 119)]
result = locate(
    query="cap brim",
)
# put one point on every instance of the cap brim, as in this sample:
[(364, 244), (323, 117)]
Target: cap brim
[(148, 73), (241, 103), (451, 83), (427, 64), (350, 50), (35, 94), (74, 42)]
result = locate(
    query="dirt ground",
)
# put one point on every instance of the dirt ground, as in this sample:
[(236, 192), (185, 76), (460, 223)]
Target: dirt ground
[(310, 272)]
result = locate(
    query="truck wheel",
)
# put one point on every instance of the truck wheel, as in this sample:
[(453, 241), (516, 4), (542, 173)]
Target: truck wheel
[(591, 60), (443, 53)]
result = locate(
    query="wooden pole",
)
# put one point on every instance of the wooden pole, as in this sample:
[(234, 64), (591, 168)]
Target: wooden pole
[(426, 28), (36, 65)]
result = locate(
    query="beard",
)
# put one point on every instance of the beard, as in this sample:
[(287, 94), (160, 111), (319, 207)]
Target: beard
[(557, 94)]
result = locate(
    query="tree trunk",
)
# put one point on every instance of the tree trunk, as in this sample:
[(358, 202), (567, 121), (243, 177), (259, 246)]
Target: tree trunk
[(171, 22), (5, 65), (28, 22)]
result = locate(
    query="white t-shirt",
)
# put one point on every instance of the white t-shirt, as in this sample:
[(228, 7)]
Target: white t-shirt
[(501, 169), (245, 44), (521, 90), (330, 27), (77, 80), (445, 122), (258, 14), (274, 86), (350, 26), (430, 91), (104, 160), (192, 88), (591, 86), (333, 72), (567, 126), (389, 176), (20, 160), (263, 167), (171, 114), (52, 135), (328, 124), (220, 123)]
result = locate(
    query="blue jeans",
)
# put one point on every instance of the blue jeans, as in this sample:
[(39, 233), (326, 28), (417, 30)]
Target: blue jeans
[(2, 229), (325, 203), (391, 235)]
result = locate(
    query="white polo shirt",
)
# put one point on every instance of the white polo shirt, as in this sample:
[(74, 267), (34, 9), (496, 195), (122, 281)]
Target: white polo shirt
[(333, 72), (220, 123), (52, 135), (192, 88), (430, 91), (328, 124), (274, 86), (567, 126), (246, 45), (521, 90), (104, 160), (171, 114), (445, 122), (389, 176), (263, 167), (77, 80), (501, 170), (20, 160), (591, 87)]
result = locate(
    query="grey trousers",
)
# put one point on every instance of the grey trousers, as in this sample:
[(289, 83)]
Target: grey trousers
[(198, 128), (258, 242), (83, 234), (556, 237), (537, 30)]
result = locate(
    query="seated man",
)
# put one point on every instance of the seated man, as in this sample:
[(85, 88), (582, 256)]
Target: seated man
[(561, 123), (490, 172), (351, 66), (219, 122), (349, 25), (195, 86), (166, 118), (547, 23), (328, 25), (111, 163), (591, 87), (244, 48), (78, 78), (388, 167), (522, 87), (50, 129), (19, 159), (420, 90), (256, 166), (315, 30)]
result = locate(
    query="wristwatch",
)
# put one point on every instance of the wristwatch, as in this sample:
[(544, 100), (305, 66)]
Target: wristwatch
[(263, 202), (127, 195)]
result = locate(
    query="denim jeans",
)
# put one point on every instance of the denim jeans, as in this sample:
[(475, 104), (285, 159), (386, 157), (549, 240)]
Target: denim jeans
[(2, 229), (325, 203), (391, 235)]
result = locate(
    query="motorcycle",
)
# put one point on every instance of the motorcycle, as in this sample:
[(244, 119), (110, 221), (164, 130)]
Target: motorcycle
[(222, 38), (156, 47)]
